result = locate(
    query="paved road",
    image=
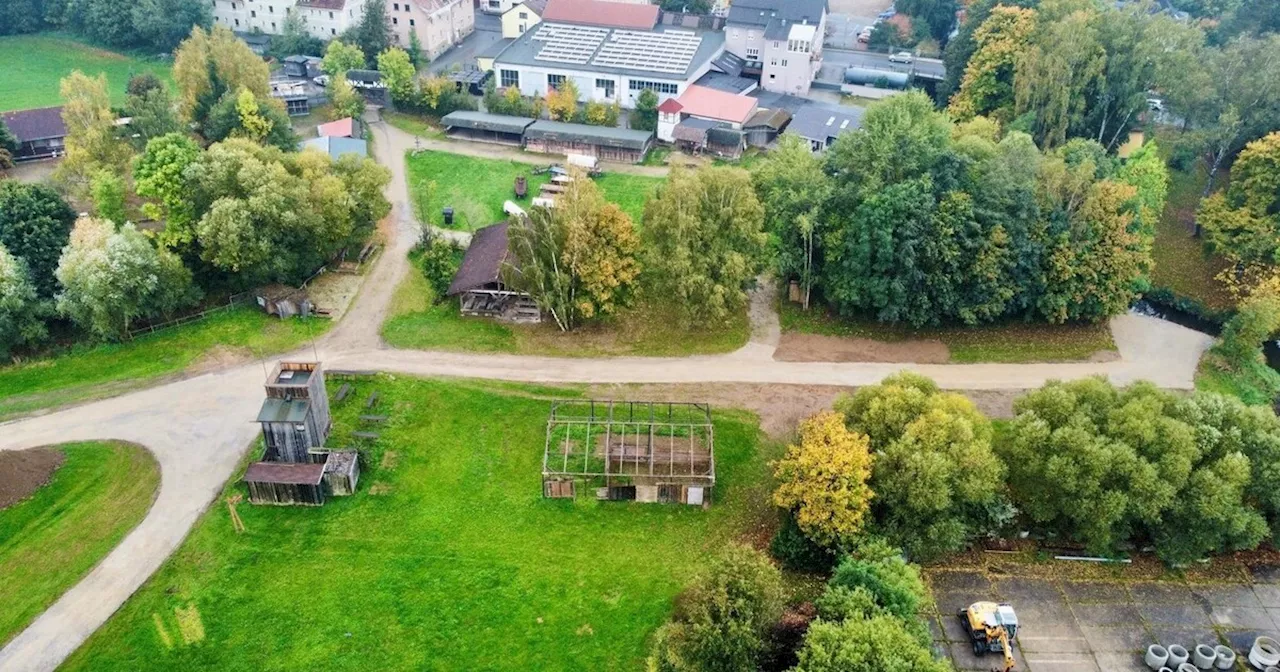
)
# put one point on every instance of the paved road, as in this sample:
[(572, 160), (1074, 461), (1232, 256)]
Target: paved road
[(198, 428), (488, 30), (834, 62)]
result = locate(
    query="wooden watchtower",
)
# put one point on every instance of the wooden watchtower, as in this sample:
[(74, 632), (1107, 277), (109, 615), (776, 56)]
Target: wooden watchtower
[(295, 415)]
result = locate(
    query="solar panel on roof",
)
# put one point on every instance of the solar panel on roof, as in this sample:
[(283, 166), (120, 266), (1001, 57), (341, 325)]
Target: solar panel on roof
[(569, 44), (669, 51)]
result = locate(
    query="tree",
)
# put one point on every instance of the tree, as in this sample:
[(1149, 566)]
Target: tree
[(936, 477), (399, 75), (142, 83), (987, 84), (339, 58), (151, 115), (415, 50), (723, 618), (885, 37), (111, 278), (704, 232), (91, 142), (938, 15), (1064, 60), (159, 175), (8, 145), (163, 24), (596, 113), (295, 38), (792, 187), (21, 310), (35, 224), (562, 101), (1148, 174), (856, 644), (345, 100), (244, 116), (209, 64), (823, 480), (893, 583), (645, 116), (1242, 224), (373, 33), (577, 260), (108, 192)]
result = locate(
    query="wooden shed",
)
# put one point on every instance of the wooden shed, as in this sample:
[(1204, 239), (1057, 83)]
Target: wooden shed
[(295, 415), (285, 483), (342, 472), (623, 145), (478, 283)]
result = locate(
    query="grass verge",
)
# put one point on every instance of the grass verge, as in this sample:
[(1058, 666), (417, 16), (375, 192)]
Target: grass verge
[(91, 371), (447, 557), (413, 124), (52, 539), (415, 322), (1013, 342), (34, 64), (476, 188)]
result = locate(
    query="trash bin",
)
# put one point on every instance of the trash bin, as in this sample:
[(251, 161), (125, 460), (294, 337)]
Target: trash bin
[(448, 216)]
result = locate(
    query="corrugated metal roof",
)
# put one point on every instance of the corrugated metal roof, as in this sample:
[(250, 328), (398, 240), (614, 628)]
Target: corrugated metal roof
[(820, 122), (484, 121), (701, 101), (41, 123), (286, 473), (603, 136), (279, 410), (336, 147)]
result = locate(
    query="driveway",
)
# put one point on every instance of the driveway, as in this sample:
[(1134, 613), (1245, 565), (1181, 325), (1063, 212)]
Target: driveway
[(198, 428)]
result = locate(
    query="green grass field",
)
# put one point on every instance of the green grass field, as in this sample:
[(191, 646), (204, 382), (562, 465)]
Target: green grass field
[(456, 563), (1014, 342), (86, 372), (53, 538), (414, 322), (476, 188), (34, 64)]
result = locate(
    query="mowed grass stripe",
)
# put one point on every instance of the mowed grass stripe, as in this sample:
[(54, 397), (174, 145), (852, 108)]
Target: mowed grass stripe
[(34, 64)]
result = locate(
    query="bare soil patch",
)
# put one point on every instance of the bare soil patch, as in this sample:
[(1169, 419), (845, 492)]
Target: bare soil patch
[(779, 407), (798, 347), (22, 472)]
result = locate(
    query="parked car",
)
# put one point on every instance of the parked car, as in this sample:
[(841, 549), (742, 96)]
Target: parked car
[(1155, 104), (901, 57), (865, 35)]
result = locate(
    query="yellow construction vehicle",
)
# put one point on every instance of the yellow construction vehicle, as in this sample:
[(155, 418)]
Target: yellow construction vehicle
[(991, 629)]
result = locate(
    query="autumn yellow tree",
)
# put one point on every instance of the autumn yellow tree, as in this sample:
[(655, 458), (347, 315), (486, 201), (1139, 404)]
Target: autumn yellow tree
[(823, 479), (987, 85), (91, 143), (208, 64), (562, 101), (253, 124)]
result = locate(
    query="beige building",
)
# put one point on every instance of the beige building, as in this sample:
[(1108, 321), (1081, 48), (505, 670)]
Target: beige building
[(439, 24), (780, 40), (521, 17)]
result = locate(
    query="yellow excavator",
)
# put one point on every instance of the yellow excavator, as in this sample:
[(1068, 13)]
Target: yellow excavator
[(991, 627)]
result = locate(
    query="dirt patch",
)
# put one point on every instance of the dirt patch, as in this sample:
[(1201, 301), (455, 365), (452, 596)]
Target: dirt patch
[(796, 347), (217, 357), (389, 460), (779, 407), (22, 472)]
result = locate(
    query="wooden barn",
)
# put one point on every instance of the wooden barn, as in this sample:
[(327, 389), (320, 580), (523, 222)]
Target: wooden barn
[(478, 283), (295, 415), (623, 145), (342, 472), (286, 483)]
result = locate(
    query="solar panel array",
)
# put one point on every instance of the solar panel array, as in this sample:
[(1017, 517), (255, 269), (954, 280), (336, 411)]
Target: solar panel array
[(668, 51), (569, 44)]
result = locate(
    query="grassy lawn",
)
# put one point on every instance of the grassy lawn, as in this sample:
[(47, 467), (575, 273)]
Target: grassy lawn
[(457, 563), (56, 536), (1014, 342), (33, 65), (1181, 265), (476, 188), (409, 123), (415, 323), (90, 371)]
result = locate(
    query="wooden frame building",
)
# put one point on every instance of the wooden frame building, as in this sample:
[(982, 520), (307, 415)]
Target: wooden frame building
[(295, 415), (478, 283), (643, 451), (285, 483)]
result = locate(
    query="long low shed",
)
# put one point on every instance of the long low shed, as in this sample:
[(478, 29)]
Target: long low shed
[(485, 127), (608, 144), (285, 483)]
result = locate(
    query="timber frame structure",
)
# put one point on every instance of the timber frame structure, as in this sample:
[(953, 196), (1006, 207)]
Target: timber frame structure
[(642, 450)]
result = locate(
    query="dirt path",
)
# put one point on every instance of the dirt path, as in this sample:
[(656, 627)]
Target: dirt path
[(197, 427)]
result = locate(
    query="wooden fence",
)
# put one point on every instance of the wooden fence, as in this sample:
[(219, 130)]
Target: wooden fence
[(235, 300)]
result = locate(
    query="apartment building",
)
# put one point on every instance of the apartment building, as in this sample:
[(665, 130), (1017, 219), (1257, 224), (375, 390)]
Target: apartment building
[(781, 41)]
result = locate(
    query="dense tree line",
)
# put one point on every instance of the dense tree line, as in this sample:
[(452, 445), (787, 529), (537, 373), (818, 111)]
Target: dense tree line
[(152, 25), (915, 219)]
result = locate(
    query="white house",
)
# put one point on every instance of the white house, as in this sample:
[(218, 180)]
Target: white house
[(780, 40)]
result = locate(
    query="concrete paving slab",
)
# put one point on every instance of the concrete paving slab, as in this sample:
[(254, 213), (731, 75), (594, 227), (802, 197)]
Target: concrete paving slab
[(1159, 593), (963, 657), (1268, 594), (1222, 595), (1265, 573), (1094, 591), (1242, 640), (1126, 638), (1186, 637), (952, 601), (1106, 614), (1062, 662), (1120, 662), (1037, 620), (1242, 618), (1180, 615), (959, 582), (1040, 591), (1051, 644)]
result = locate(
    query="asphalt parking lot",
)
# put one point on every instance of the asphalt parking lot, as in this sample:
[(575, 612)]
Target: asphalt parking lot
[(1104, 626)]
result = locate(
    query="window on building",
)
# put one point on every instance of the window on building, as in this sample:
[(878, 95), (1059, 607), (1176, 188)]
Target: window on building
[(395, 21), (773, 61), (333, 31), (784, 62), (273, 25), (397, 6), (271, 9), (510, 78), (253, 13), (554, 81), (735, 33), (657, 87), (607, 85), (753, 53), (524, 15), (237, 23), (331, 15), (775, 44), (411, 22)]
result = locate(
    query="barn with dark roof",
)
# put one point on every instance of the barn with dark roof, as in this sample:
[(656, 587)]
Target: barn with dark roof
[(40, 132), (479, 283)]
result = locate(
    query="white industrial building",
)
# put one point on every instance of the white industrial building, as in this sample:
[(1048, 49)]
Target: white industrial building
[(439, 24), (611, 51)]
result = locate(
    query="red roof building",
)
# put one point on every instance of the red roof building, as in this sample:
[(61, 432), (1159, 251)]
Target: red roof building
[(601, 13), (670, 106), (707, 103), (342, 128)]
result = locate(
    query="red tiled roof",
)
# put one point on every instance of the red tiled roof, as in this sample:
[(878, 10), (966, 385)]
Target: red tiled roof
[(601, 13), (700, 101), (39, 124), (670, 106), (342, 128)]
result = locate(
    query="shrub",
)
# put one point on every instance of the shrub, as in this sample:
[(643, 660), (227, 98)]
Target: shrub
[(895, 585), (796, 551), (860, 645), (439, 263)]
